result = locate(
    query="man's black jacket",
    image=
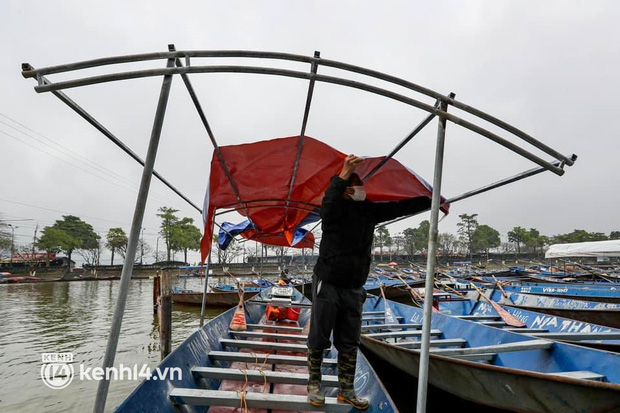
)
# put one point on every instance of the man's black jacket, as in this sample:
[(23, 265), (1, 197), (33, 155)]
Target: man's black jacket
[(348, 228)]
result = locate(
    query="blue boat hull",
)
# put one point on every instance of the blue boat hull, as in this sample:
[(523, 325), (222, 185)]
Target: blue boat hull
[(601, 293), (536, 320), (607, 314), (520, 381), (153, 395)]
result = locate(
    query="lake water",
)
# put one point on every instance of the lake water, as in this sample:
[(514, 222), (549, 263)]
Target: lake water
[(75, 317)]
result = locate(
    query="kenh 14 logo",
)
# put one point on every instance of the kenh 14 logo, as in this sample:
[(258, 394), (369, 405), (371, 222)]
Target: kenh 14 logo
[(57, 371)]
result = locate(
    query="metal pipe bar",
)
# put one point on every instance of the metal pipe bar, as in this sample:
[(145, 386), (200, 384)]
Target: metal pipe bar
[(29, 71), (203, 308), (401, 145), (430, 265), (203, 118), (307, 204), (90, 119), (273, 200), (261, 206), (508, 145), (314, 227), (486, 188), (304, 122), (459, 105), (136, 225), (515, 178), (304, 75)]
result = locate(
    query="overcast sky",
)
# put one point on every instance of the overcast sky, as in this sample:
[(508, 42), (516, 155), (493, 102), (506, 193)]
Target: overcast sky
[(549, 68)]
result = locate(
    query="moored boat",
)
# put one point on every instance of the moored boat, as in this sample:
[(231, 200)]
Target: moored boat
[(214, 298), (494, 367), (537, 324), (607, 314), (262, 368), (392, 287), (608, 292)]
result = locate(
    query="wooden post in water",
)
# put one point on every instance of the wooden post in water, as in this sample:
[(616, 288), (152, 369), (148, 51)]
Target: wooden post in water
[(156, 292), (165, 315)]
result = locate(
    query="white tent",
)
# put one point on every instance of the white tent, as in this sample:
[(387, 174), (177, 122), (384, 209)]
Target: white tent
[(585, 249)]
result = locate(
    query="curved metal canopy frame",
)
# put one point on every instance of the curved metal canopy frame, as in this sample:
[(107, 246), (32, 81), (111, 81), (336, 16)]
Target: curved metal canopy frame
[(174, 66)]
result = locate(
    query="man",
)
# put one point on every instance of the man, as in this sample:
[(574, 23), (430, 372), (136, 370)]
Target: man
[(284, 278), (340, 274)]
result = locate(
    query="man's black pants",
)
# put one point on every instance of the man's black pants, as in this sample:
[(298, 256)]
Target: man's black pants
[(338, 310)]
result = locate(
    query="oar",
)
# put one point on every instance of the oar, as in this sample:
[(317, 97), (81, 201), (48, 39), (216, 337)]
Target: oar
[(238, 322), (447, 287), (500, 287), (415, 296), (390, 318), (505, 315)]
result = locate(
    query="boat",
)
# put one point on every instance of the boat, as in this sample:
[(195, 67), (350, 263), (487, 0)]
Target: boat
[(261, 368), (537, 324), (392, 287), (19, 279), (607, 314), (191, 271), (247, 285), (494, 367), (576, 279), (214, 298), (607, 293), (226, 295)]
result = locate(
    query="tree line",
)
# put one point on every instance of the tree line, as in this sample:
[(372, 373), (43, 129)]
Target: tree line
[(473, 237), (72, 234)]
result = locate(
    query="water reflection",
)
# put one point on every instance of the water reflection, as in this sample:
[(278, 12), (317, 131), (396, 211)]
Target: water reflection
[(75, 317)]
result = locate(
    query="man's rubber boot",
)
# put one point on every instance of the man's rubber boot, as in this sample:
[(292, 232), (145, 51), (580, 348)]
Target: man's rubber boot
[(315, 358), (346, 376)]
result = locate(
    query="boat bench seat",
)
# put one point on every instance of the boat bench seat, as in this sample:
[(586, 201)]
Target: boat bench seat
[(446, 342), (279, 303), (256, 334), (499, 348), (406, 333), (232, 356), (377, 318), (605, 335), (482, 357), (273, 327), (200, 397), (389, 326), (584, 375), (264, 345), (492, 323), (525, 330), (269, 376), (478, 317)]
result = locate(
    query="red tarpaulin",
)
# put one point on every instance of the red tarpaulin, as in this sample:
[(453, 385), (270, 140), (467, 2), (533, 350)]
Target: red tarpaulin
[(262, 173)]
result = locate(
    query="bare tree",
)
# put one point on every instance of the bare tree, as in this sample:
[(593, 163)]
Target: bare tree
[(92, 255), (143, 251), (229, 254)]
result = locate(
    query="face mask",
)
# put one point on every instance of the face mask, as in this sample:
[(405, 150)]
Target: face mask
[(359, 193)]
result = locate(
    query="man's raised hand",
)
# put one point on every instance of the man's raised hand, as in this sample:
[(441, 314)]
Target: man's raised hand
[(350, 163)]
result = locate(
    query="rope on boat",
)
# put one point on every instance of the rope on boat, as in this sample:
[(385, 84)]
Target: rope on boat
[(243, 401), (261, 369)]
